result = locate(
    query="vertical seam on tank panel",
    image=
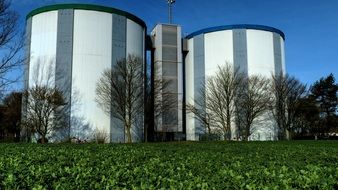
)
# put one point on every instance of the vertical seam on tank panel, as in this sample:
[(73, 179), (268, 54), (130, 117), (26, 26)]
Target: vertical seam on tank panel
[(28, 41), (277, 60), (111, 66), (56, 45), (125, 57), (246, 53), (144, 80), (240, 51), (200, 66), (71, 69)]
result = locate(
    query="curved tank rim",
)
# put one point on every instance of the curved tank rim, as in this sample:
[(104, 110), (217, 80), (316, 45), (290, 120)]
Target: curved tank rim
[(86, 7), (236, 26)]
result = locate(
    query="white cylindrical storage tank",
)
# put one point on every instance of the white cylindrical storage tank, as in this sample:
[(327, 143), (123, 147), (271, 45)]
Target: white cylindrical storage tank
[(76, 43), (255, 49)]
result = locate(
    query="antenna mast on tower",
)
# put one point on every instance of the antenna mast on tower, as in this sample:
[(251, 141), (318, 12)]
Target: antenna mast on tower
[(170, 2)]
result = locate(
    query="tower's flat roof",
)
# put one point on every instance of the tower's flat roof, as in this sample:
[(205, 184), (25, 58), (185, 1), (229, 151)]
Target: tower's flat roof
[(86, 7), (237, 26)]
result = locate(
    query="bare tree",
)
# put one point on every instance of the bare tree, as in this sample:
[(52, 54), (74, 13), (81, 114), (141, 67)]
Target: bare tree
[(216, 108), (253, 101), (44, 104), (10, 45), (202, 111), (119, 92), (221, 92), (288, 92)]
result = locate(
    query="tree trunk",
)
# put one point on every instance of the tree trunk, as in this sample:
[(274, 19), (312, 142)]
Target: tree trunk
[(287, 135), (17, 136), (246, 134), (43, 139), (128, 133), (225, 136), (228, 128), (146, 132)]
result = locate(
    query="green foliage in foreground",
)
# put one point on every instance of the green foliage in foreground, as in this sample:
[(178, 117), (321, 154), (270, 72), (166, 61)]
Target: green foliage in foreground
[(215, 165)]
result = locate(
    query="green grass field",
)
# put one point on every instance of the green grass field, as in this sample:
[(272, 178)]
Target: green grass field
[(187, 165)]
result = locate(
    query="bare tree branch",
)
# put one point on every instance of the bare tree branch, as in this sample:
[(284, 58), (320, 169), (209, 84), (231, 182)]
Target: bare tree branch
[(119, 92), (43, 103), (11, 44), (253, 101), (288, 92), (215, 108)]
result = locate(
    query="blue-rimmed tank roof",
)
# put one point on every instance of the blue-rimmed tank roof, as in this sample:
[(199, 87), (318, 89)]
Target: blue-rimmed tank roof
[(86, 7), (237, 26)]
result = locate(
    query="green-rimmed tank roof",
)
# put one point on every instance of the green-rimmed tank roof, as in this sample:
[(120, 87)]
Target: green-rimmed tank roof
[(237, 26), (86, 7)]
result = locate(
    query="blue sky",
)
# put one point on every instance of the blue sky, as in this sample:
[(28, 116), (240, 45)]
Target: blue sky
[(310, 26)]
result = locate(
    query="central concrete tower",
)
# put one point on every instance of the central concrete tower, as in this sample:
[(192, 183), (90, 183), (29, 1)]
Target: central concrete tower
[(167, 60)]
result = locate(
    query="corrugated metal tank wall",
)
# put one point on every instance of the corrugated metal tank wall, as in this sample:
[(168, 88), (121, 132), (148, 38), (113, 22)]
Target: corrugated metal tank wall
[(74, 44), (256, 50)]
